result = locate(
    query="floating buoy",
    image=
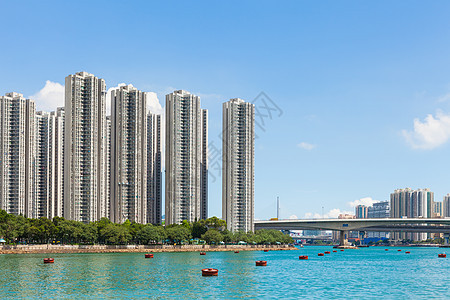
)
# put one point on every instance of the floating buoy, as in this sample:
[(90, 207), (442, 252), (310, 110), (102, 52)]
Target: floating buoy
[(327, 252), (442, 255), (399, 250), (49, 260), (149, 255), (407, 252), (236, 251), (261, 263), (320, 254), (386, 249), (342, 249), (210, 272), (202, 253), (334, 250), (303, 257), (266, 250)]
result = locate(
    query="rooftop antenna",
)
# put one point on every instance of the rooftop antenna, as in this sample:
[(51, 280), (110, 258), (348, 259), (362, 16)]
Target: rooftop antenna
[(278, 208)]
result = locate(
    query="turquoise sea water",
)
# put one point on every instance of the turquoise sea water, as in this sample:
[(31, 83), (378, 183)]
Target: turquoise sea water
[(365, 273)]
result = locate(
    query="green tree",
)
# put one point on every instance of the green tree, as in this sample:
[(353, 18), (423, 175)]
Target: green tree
[(216, 223), (89, 233), (212, 236), (178, 233), (198, 228), (151, 234), (115, 234)]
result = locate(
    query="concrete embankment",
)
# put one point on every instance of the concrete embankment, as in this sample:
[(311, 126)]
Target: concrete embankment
[(25, 249)]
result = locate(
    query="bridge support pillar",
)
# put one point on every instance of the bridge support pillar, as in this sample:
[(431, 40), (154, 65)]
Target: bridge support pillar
[(362, 234), (446, 238), (343, 238)]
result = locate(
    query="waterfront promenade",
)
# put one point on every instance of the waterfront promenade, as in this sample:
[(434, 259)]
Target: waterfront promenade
[(25, 249)]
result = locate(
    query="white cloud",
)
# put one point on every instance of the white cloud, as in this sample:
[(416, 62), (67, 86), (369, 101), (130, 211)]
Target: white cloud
[(153, 103), (49, 97), (429, 134), (332, 214), (293, 217), (444, 98), (306, 146), (367, 201)]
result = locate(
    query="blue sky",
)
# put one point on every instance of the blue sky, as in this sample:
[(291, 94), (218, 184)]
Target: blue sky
[(364, 87)]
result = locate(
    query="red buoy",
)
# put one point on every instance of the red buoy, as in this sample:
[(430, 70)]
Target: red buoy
[(261, 263), (210, 272), (236, 251), (320, 254), (442, 255), (49, 260), (327, 252), (202, 253), (303, 257), (399, 250), (334, 250), (342, 249), (148, 255), (266, 250), (386, 249), (407, 252)]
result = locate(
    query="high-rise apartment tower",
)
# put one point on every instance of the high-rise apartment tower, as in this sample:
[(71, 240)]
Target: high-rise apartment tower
[(186, 164), (128, 155), (238, 164), (84, 148), (17, 152)]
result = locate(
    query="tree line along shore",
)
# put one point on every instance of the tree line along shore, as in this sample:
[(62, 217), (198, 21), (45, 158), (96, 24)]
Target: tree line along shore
[(20, 230)]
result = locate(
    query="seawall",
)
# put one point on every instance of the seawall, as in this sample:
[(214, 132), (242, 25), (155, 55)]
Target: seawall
[(25, 249)]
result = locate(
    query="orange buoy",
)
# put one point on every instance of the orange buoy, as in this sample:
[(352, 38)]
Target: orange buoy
[(236, 251), (261, 263), (266, 250), (303, 257), (334, 250), (210, 272), (149, 255), (442, 255), (49, 260), (202, 253), (320, 254), (327, 252)]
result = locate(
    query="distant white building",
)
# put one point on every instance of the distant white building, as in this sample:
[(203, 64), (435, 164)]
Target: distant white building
[(378, 210), (411, 204), (446, 206)]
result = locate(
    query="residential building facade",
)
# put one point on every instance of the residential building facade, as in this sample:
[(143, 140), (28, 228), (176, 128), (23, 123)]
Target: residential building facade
[(84, 147), (186, 188), (128, 155), (408, 203), (154, 173), (238, 165), (17, 154)]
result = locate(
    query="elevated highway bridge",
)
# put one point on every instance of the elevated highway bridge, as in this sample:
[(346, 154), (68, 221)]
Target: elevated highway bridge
[(346, 225)]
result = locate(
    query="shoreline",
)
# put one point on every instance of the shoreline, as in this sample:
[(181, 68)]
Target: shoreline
[(41, 249)]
